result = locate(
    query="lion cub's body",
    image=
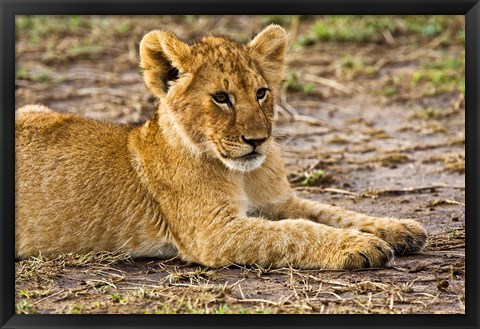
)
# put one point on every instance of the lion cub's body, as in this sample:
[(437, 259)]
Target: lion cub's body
[(77, 190), (82, 186), (189, 179)]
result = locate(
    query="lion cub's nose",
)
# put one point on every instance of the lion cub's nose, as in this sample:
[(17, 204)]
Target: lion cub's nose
[(254, 141)]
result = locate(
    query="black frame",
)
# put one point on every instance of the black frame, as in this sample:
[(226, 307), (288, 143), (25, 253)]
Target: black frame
[(10, 8)]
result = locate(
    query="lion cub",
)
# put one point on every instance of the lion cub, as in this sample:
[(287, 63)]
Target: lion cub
[(186, 180)]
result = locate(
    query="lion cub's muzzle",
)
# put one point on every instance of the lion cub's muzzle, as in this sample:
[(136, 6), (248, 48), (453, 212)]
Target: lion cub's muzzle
[(245, 156)]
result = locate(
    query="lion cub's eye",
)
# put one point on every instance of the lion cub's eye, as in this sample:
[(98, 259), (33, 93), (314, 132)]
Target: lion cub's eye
[(261, 93), (221, 98)]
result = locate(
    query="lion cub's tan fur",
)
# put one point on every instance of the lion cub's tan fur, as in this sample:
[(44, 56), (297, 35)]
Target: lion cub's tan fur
[(202, 178)]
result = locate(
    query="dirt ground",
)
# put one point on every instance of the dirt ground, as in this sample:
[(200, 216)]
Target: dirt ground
[(371, 119)]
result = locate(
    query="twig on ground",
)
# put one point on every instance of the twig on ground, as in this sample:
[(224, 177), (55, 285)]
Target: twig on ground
[(48, 297), (388, 37), (457, 103), (30, 85), (291, 134), (291, 113), (241, 291), (445, 201), (312, 103), (325, 189), (329, 83), (372, 193), (395, 57)]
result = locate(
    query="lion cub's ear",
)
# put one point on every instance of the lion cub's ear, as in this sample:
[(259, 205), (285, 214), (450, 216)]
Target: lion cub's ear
[(268, 48), (162, 57)]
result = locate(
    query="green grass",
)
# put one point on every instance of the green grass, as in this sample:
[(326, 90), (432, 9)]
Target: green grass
[(25, 307), (37, 27), (440, 76), (454, 234), (76, 309), (390, 90), (222, 308), (69, 37), (34, 293), (314, 178), (124, 27), (118, 298), (353, 67), (348, 28), (293, 83), (428, 113), (36, 75)]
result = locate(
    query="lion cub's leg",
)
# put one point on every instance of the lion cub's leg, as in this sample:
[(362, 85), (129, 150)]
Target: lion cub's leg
[(404, 235), (292, 242)]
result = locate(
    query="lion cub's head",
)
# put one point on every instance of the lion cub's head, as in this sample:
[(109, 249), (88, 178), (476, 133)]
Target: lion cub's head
[(219, 93)]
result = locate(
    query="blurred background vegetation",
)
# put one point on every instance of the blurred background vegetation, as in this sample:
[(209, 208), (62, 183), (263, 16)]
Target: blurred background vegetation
[(408, 57)]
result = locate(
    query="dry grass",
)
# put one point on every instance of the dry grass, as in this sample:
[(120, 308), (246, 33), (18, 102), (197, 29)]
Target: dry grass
[(181, 288)]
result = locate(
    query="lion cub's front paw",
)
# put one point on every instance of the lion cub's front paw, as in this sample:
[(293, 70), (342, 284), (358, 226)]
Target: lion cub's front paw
[(365, 251), (404, 235)]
